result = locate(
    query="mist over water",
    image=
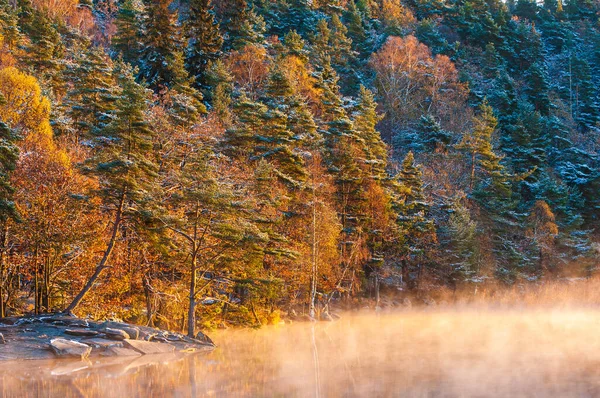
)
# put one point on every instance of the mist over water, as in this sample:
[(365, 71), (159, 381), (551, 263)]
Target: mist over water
[(469, 352)]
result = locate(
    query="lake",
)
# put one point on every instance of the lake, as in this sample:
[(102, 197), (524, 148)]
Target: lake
[(432, 353)]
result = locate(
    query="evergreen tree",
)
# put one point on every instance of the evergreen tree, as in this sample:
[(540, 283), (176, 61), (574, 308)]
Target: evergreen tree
[(9, 155), (45, 50), (538, 89), (417, 231), (204, 41), (184, 101), (220, 82), (432, 136), (365, 121), (127, 40), (262, 132), (123, 163), (160, 40), (93, 92)]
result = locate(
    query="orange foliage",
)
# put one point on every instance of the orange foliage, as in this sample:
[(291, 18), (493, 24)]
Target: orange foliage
[(249, 66), (412, 82)]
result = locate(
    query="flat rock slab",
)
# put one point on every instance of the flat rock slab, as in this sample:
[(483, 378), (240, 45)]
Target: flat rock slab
[(81, 332), (29, 338), (98, 342), (116, 334), (148, 347), (121, 352), (70, 348)]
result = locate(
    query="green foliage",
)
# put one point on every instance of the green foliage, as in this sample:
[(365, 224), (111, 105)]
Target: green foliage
[(204, 41)]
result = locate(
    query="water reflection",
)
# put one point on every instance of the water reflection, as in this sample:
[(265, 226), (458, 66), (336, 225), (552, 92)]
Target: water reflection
[(466, 353)]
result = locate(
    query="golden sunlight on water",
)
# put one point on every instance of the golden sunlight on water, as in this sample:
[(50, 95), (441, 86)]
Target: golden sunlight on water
[(441, 353)]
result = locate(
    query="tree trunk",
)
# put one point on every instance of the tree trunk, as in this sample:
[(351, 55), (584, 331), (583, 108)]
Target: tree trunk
[(192, 299), (313, 276), (376, 289), (148, 293), (2, 269), (102, 265)]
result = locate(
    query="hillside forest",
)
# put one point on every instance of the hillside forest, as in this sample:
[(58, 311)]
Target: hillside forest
[(190, 164)]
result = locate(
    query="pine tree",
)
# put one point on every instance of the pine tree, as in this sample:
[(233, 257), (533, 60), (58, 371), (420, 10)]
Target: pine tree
[(220, 82), (184, 101), (361, 40), (127, 40), (93, 92), (343, 152), (9, 25), (45, 50), (538, 89), (160, 40), (432, 136), (261, 132), (123, 163), (415, 229), (209, 217), (478, 147), (365, 121), (9, 155), (204, 41)]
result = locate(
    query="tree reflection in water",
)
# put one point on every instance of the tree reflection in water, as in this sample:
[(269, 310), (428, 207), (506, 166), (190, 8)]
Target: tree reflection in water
[(466, 352)]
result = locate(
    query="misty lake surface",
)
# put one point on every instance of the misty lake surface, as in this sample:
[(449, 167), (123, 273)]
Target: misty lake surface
[(434, 353)]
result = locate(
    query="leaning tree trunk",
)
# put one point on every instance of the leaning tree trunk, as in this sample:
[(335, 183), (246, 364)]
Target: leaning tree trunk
[(102, 265)]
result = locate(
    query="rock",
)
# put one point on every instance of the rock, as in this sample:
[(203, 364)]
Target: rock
[(101, 343), (70, 348), (148, 347), (2, 341), (80, 323), (146, 335), (121, 352), (204, 339), (81, 332), (115, 334), (133, 332), (159, 338)]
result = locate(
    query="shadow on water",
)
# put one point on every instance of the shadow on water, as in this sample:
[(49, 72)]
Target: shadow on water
[(441, 353)]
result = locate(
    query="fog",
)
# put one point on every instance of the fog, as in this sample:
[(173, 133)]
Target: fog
[(451, 352)]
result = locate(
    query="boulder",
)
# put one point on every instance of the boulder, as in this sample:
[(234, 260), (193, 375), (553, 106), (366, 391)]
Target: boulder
[(148, 347), (81, 332), (2, 341), (115, 334), (70, 348), (204, 339)]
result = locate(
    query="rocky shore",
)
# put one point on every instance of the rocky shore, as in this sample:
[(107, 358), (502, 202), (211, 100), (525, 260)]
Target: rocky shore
[(59, 335)]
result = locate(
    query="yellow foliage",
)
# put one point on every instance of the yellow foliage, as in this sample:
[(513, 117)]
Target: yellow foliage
[(26, 110)]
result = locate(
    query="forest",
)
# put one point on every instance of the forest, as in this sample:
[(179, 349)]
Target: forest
[(191, 164)]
